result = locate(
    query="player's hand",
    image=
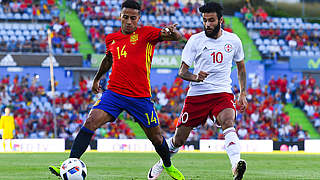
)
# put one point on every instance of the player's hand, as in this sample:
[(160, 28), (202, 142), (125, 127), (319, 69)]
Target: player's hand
[(170, 33), (201, 76), (170, 28), (96, 87), (243, 102)]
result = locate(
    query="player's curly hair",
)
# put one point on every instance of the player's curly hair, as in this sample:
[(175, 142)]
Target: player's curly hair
[(212, 7), (131, 4)]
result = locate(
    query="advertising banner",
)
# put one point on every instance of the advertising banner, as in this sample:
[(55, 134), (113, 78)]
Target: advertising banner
[(40, 60), (158, 61), (288, 146), (246, 145), (301, 63), (312, 146), (136, 145), (125, 145), (34, 145), (92, 144)]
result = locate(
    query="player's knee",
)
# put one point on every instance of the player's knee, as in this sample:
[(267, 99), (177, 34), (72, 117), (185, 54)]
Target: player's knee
[(156, 140), (227, 123), (91, 124)]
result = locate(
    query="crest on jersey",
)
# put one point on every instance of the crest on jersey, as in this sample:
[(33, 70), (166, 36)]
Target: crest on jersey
[(113, 42), (134, 38), (228, 48)]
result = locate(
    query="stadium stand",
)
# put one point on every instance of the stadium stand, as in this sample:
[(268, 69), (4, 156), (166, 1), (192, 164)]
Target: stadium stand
[(281, 37), (101, 19), (25, 28), (265, 117), (32, 108), (307, 98)]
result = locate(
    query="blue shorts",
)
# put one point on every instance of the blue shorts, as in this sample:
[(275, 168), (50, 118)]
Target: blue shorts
[(140, 108)]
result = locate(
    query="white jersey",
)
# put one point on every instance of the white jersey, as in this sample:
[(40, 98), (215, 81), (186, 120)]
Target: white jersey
[(215, 57)]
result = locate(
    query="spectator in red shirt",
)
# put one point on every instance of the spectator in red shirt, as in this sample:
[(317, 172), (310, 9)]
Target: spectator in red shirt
[(51, 2), (28, 1), (83, 84), (300, 43), (311, 82), (164, 88), (263, 33), (176, 4), (244, 10), (303, 83), (278, 82), (6, 80), (273, 86)]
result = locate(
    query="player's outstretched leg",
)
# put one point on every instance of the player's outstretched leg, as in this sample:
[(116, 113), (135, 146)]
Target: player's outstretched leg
[(239, 170), (157, 168), (79, 146), (96, 118)]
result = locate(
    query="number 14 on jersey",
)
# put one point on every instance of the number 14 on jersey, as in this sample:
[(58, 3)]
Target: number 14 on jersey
[(123, 52)]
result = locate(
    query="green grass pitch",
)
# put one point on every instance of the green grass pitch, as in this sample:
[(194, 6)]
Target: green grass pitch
[(134, 166)]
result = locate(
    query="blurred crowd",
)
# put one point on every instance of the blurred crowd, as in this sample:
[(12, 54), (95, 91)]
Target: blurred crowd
[(62, 40), (32, 36), (35, 9), (253, 15), (32, 108), (264, 118), (105, 18), (281, 36)]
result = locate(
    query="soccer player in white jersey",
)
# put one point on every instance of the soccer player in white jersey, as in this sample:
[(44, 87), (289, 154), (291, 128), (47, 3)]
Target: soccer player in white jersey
[(212, 52)]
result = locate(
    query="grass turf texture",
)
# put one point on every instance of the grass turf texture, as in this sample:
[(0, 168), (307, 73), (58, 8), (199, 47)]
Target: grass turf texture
[(134, 166)]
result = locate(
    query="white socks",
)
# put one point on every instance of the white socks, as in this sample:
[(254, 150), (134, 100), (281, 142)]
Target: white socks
[(232, 145), (173, 150)]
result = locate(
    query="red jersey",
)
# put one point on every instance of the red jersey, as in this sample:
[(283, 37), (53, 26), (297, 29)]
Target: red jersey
[(132, 56), (273, 85), (311, 82)]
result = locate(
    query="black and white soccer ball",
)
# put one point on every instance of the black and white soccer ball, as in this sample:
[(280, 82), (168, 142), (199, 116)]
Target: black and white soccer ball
[(73, 169)]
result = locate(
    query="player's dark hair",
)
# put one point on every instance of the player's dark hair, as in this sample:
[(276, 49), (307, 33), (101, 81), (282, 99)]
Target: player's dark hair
[(131, 4), (212, 7)]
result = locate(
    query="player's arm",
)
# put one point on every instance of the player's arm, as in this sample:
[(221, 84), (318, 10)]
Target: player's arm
[(104, 67), (185, 74), (242, 77), (170, 33)]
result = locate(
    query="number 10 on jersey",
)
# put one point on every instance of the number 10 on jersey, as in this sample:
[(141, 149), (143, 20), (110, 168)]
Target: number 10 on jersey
[(217, 57)]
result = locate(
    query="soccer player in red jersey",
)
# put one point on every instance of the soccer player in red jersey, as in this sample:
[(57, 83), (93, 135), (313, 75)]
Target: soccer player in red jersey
[(212, 52), (129, 53)]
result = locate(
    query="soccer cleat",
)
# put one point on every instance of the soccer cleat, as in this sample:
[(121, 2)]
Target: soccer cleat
[(55, 170), (155, 171), (174, 173), (239, 170)]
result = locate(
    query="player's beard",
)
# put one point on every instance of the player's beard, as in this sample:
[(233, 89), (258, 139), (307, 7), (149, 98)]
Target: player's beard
[(214, 32)]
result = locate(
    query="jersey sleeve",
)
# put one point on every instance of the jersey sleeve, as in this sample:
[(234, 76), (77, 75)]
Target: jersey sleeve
[(189, 52), (239, 54), (152, 34)]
